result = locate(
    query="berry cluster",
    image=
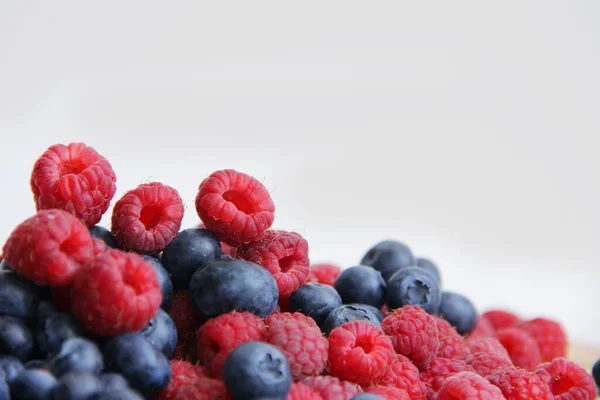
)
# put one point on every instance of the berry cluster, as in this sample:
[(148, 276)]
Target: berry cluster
[(233, 309)]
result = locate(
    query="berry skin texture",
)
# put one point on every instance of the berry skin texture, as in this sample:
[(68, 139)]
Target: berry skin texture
[(300, 391), (331, 388), (17, 298), (519, 384), (147, 218), (183, 374), (16, 339), (202, 389), (32, 384), (283, 254), (459, 312), (164, 281), (388, 257), (468, 386), (567, 380), (76, 355), (161, 333), (429, 266), (452, 344), (414, 286), (500, 319), (49, 248), (359, 352), (300, 340), (187, 321), (116, 294), (488, 363), (221, 335), (234, 206), (403, 374), (76, 385), (347, 313), (315, 300), (414, 334), (549, 335), (324, 273), (361, 284), (73, 178), (53, 331), (521, 347), (439, 369)]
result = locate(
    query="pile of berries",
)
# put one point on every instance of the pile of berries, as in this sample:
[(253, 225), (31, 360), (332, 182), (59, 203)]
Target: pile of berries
[(233, 309)]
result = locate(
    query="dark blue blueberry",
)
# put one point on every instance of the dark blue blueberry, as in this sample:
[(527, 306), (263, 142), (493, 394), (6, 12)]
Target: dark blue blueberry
[(225, 285), (376, 311), (111, 381), (347, 313), (459, 312), (76, 355), (54, 330), (164, 281), (315, 300), (11, 366), (15, 338), (44, 310), (190, 250), (430, 267), (4, 392), (103, 234), (32, 384), (125, 394), (76, 386), (414, 286), (361, 284), (146, 369), (17, 298), (36, 364), (5, 267), (596, 373), (367, 396), (257, 370), (162, 333), (388, 257)]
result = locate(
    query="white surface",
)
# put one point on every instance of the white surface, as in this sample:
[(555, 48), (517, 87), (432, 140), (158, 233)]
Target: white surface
[(467, 130)]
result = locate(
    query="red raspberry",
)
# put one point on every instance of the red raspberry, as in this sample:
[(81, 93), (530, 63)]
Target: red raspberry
[(300, 391), (483, 328), (439, 369), (187, 321), (388, 392), (49, 248), (500, 319), (385, 309), (567, 380), (403, 374), (183, 374), (452, 344), (221, 335), (202, 389), (74, 178), (300, 340), (235, 207), (359, 352), (414, 334), (488, 363), (331, 388), (486, 345), (147, 218), (116, 294), (283, 254), (521, 347), (324, 273), (99, 246), (549, 335), (519, 384), (283, 303), (468, 386), (225, 248)]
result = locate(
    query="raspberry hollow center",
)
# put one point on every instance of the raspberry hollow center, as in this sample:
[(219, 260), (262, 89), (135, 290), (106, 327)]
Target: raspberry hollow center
[(560, 385), (286, 263), (365, 344), (150, 216), (72, 167), (240, 201)]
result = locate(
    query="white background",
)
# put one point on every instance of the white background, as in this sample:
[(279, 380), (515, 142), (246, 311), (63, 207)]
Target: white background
[(468, 130)]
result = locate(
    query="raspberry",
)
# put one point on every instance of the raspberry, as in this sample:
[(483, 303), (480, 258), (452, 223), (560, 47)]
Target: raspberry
[(403, 374), (359, 352), (49, 248), (283, 254), (235, 207), (414, 333), (184, 374), (221, 335), (468, 386), (549, 335), (567, 380), (74, 178), (300, 340), (98, 246), (283, 303), (486, 345), (187, 321), (500, 319), (331, 388), (388, 392), (118, 293), (324, 273), (487, 363), (483, 328), (147, 218), (300, 391), (521, 347), (202, 389), (452, 344), (439, 369), (519, 384)]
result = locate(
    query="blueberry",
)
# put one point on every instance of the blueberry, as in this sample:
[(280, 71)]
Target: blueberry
[(5, 268), (376, 311), (315, 300), (190, 250), (76, 355), (596, 373), (347, 313), (459, 312), (76, 386), (32, 384), (11, 367), (146, 369), (256, 370), (430, 267), (164, 281), (15, 338), (17, 298), (103, 234), (161, 333), (367, 396), (361, 284), (35, 364), (414, 286), (225, 285), (111, 381), (54, 330), (388, 257), (45, 309), (4, 394), (125, 394)]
